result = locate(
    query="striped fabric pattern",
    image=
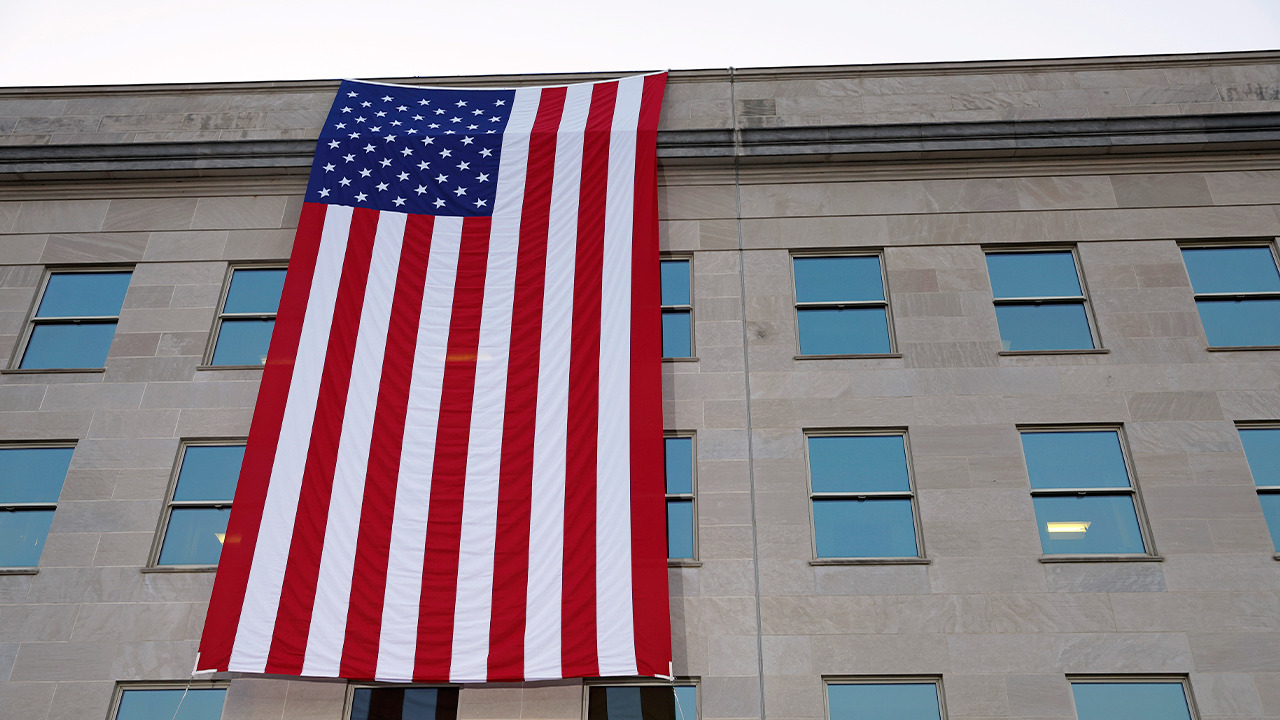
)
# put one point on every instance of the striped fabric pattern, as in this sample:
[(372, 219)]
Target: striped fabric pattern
[(454, 469)]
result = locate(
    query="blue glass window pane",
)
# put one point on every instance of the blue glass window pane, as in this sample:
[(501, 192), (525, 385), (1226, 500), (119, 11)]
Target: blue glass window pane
[(209, 473), (255, 290), (32, 475), (243, 342), (679, 528), (1130, 701), (194, 536), (1231, 323), (1037, 274), (84, 294), (883, 701), (401, 703), (864, 528), (172, 704), (675, 282), (873, 463), (843, 331), (1090, 459), (1048, 326), (22, 534), (679, 462), (676, 336), (1271, 511), (72, 345), (686, 702), (1087, 524), (1239, 269), (832, 279), (1262, 449)]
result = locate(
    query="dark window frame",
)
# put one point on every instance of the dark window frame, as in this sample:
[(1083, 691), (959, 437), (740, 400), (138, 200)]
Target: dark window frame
[(216, 332), (1262, 489), (690, 497), (1244, 296), (829, 680), (32, 320), (912, 494), (685, 309), (798, 306), (678, 681), (34, 506), (162, 528), (1121, 679), (1095, 336), (122, 687), (349, 702)]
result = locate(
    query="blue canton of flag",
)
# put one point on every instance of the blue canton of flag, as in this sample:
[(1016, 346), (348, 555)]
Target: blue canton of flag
[(431, 151)]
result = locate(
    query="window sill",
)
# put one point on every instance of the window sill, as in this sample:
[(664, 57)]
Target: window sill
[(850, 356), (683, 562), (180, 569), (1087, 351), (19, 571), (230, 367), (679, 359), (1100, 558), (1240, 348), (871, 561), (49, 371)]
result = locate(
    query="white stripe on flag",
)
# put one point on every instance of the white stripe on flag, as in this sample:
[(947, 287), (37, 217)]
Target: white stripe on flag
[(398, 642), (474, 599), (266, 574), (615, 635), (546, 513), (337, 561)]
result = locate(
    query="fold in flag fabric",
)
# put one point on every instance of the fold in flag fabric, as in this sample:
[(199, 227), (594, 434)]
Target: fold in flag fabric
[(454, 469)]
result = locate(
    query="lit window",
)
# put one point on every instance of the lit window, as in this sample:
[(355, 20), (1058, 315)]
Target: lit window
[(678, 701), (677, 310), (75, 320), (1040, 302), (195, 520), (1262, 448), (840, 305), (876, 700), (862, 497), (681, 502), (247, 316), (171, 703), (1237, 292), (1130, 700), (1081, 489), (404, 703), (30, 482)]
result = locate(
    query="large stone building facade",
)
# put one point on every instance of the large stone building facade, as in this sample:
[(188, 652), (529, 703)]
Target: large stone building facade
[(1031, 304)]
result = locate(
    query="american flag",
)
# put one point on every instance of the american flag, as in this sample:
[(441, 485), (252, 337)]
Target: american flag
[(454, 468)]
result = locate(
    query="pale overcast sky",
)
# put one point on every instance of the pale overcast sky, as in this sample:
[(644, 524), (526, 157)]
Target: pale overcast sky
[(80, 42)]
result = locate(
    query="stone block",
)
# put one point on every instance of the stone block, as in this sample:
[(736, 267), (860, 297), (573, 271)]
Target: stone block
[(60, 216), (37, 623), (222, 213), (77, 700), (492, 702), (1039, 696), (1235, 652), (69, 661), (27, 699), (250, 698), (314, 699), (97, 247), (1123, 653), (1166, 190), (1104, 577)]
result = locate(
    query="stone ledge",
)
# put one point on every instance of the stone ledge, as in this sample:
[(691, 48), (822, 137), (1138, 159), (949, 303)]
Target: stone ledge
[(1241, 132)]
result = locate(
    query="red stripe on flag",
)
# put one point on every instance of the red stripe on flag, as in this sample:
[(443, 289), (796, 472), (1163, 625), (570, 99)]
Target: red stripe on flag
[(511, 554), (297, 594), (444, 519), (264, 434), (648, 506), (578, 624), (368, 583)]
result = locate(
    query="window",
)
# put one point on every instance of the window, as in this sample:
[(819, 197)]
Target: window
[(841, 306), (1080, 486), (678, 701), (247, 316), (1262, 448), (30, 483), (677, 309), (1237, 291), (862, 496), (682, 525), (75, 320), (1103, 699), (195, 520), (170, 703), (906, 699), (1040, 302), (404, 703)]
